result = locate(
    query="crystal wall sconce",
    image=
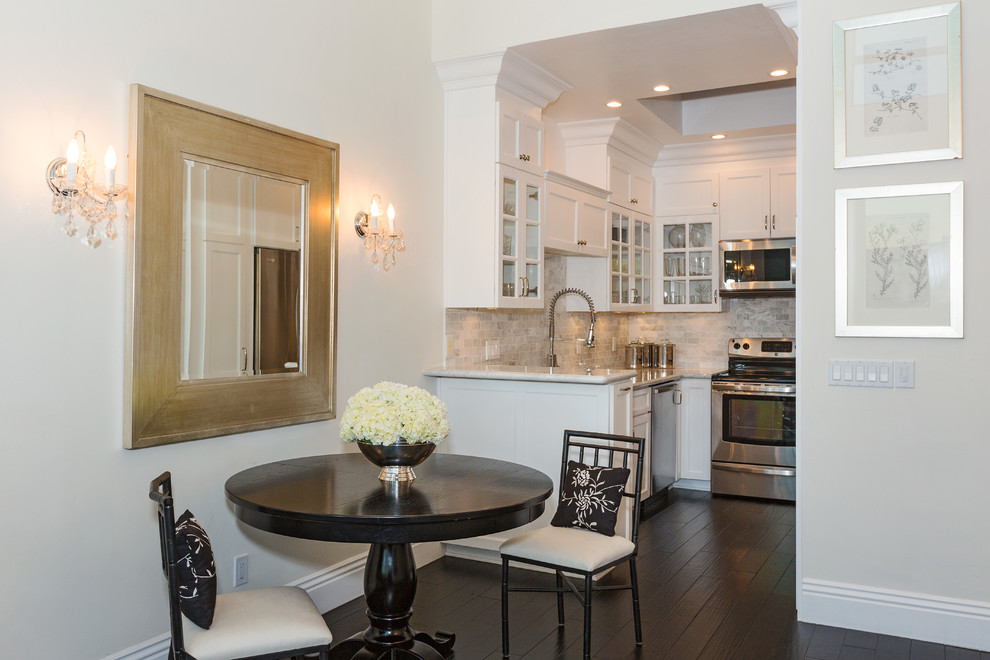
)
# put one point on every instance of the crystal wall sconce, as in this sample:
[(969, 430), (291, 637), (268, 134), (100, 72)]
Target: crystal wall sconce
[(379, 233), (75, 191)]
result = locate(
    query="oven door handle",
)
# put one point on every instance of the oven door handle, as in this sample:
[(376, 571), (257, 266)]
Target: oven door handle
[(748, 389), (756, 469)]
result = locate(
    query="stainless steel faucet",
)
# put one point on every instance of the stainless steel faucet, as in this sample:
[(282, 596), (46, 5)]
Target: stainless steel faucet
[(589, 342)]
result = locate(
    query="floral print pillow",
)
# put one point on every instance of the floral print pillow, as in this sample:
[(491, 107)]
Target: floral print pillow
[(590, 497), (197, 574)]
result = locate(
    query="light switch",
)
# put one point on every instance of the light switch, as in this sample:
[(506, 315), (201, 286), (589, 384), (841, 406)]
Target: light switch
[(860, 372), (871, 373), (847, 372), (904, 374), (836, 371), (884, 373)]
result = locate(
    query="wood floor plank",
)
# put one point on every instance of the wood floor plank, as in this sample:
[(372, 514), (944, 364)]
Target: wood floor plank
[(717, 581)]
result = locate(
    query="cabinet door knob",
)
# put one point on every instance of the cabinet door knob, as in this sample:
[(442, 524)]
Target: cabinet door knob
[(714, 203), (634, 201)]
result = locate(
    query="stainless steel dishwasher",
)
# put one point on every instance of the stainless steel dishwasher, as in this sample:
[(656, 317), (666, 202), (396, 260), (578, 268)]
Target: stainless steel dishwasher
[(665, 426)]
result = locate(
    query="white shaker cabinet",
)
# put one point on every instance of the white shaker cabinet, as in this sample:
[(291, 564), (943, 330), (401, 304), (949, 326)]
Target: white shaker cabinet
[(520, 138), (680, 194), (576, 217), (524, 422), (688, 263), (696, 433), (758, 203)]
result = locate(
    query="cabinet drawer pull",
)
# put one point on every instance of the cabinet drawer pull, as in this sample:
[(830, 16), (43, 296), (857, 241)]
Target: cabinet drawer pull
[(634, 201), (773, 221), (524, 157), (625, 389), (766, 225)]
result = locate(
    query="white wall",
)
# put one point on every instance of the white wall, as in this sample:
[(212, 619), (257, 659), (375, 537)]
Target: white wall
[(79, 564), (894, 490)]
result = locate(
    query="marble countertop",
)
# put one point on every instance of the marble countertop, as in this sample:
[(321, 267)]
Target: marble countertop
[(641, 377), (549, 374)]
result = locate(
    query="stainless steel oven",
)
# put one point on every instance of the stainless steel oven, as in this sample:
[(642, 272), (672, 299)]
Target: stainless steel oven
[(753, 420)]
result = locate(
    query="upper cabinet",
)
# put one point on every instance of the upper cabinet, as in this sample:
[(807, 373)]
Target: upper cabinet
[(679, 194), (520, 138), (758, 203), (612, 154), (576, 217), (493, 180)]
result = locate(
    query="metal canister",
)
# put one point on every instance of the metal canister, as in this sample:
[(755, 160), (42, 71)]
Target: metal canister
[(634, 355), (653, 351), (666, 355)]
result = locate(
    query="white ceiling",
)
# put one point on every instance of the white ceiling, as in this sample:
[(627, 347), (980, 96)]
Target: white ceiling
[(707, 59)]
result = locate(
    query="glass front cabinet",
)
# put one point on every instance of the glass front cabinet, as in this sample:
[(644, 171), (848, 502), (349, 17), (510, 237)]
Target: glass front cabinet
[(631, 261), (689, 263), (521, 259)]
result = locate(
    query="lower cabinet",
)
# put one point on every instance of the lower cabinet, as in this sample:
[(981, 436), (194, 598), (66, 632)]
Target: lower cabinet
[(524, 422), (696, 434)]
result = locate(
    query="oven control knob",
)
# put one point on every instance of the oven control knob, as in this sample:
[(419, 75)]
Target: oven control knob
[(736, 346), (746, 347)]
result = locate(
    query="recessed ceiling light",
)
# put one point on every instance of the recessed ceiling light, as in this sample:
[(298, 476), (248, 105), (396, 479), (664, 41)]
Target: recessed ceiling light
[(614, 104), (718, 136), (777, 73), (662, 88)]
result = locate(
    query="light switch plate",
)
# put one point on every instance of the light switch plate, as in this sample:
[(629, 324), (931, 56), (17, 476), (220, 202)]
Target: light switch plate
[(860, 373), (904, 374)]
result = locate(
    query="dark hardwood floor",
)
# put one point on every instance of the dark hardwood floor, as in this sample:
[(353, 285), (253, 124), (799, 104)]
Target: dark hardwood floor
[(716, 579)]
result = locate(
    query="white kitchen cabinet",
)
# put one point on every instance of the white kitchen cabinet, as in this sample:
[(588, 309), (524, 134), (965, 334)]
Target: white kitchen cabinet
[(688, 260), (641, 424), (687, 195), (520, 269), (576, 217), (520, 136), (758, 203), (278, 207), (524, 422), (630, 182), (696, 433), (625, 281)]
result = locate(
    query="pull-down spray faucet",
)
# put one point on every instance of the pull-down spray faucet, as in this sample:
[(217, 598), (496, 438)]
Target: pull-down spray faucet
[(589, 342)]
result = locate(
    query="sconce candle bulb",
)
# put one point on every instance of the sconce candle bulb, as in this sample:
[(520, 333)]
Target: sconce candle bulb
[(379, 238), (74, 190)]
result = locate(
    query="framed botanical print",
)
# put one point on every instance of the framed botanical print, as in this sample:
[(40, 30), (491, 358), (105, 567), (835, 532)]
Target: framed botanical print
[(897, 87), (899, 261)]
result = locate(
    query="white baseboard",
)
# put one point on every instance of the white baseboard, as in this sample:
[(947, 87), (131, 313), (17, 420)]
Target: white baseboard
[(951, 621), (329, 588), (693, 484)]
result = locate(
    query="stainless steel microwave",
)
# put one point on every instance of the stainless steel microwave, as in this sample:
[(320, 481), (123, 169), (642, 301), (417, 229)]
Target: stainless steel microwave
[(765, 266)]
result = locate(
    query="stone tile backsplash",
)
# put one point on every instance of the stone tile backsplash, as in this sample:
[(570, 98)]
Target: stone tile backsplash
[(521, 335)]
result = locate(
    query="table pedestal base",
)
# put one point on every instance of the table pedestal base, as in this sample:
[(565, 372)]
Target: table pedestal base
[(389, 590)]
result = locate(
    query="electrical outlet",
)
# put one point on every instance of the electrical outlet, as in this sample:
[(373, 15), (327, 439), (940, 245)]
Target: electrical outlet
[(491, 350), (240, 570)]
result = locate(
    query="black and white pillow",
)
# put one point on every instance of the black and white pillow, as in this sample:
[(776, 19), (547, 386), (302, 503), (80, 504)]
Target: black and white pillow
[(196, 571), (590, 497)]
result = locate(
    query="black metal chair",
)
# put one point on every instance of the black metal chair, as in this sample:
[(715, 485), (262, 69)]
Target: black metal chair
[(580, 552), (260, 624)]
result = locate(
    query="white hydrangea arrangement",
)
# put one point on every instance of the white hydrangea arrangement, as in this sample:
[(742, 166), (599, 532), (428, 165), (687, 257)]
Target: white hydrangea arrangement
[(384, 413)]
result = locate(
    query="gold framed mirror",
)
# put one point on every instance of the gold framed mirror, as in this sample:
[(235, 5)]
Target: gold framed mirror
[(185, 378)]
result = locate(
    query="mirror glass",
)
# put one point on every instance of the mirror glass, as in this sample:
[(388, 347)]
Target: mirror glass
[(241, 271), (231, 301)]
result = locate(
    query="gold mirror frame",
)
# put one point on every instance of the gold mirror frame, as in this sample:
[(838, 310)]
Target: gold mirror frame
[(159, 407)]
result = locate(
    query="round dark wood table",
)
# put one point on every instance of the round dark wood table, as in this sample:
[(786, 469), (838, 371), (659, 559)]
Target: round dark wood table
[(340, 498)]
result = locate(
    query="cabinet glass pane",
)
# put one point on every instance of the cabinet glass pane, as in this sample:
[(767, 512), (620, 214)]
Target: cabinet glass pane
[(700, 264), (701, 292), (508, 238), (637, 262), (616, 284), (616, 227), (532, 242), (647, 260), (644, 291), (509, 279), (624, 230), (624, 290), (673, 265), (638, 233), (533, 203), (624, 260), (674, 292), (646, 235), (533, 280), (615, 258), (509, 196), (673, 237), (700, 234)]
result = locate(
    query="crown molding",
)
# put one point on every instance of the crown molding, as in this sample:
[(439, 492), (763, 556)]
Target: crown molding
[(612, 132), (699, 153), (504, 69)]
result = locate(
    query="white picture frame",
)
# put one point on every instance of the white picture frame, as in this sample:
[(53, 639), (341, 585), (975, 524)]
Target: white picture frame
[(897, 87), (899, 261)]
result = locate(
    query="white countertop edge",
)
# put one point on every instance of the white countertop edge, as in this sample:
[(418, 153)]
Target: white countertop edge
[(555, 375)]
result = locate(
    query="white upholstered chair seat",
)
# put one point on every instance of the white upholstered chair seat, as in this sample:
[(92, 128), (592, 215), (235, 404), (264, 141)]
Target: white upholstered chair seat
[(568, 547), (247, 623)]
